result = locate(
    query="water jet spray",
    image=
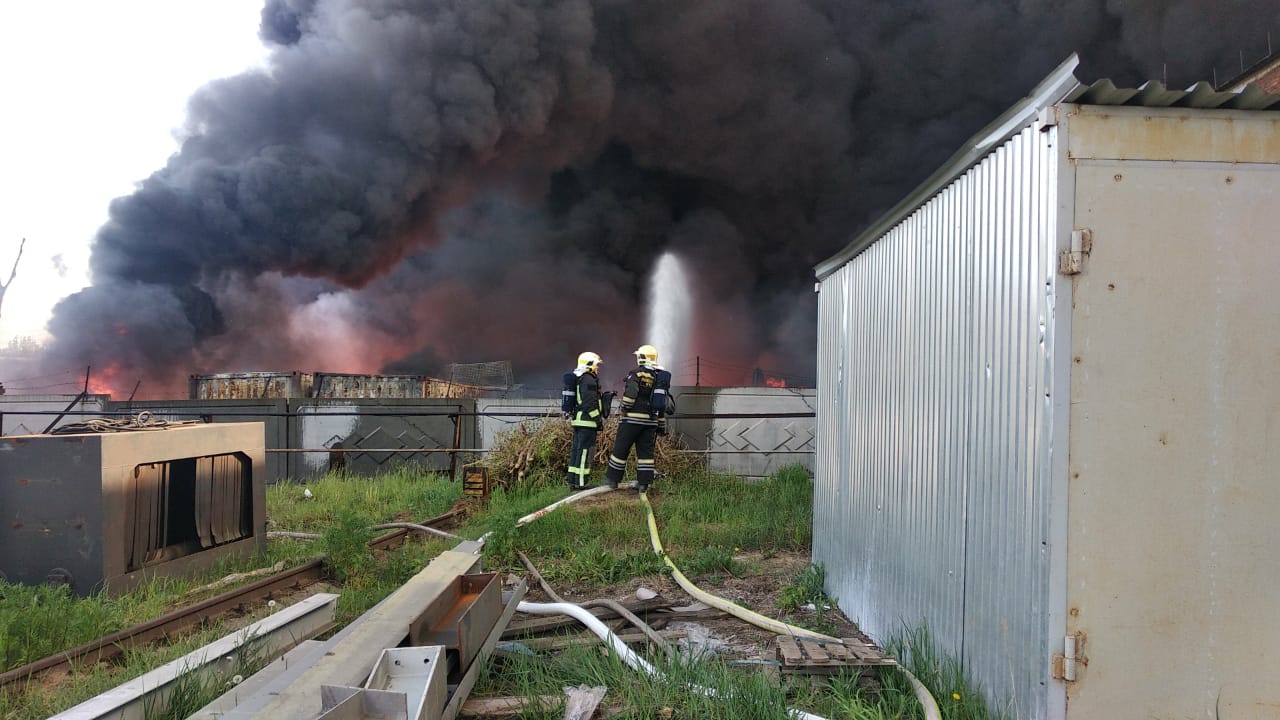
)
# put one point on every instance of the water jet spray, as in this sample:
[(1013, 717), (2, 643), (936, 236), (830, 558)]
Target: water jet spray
[(670, 303)]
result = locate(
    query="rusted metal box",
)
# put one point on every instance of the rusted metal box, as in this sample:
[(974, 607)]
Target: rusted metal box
[(355, 385), (108, 510), (250, 385), (460, 619)]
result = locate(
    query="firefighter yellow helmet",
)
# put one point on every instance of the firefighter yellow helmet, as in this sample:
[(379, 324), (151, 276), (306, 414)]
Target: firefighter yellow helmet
[(589, 360), (647, 355)]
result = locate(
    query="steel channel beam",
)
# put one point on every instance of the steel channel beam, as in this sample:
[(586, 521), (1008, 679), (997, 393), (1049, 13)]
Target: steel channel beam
[(349, 660), (116, 643), (272, 636), (468, 680)]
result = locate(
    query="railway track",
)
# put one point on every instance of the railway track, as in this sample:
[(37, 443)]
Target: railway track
[(111, 646)]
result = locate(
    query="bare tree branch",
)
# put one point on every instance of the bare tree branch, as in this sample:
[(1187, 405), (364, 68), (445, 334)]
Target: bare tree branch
[(12, 273)]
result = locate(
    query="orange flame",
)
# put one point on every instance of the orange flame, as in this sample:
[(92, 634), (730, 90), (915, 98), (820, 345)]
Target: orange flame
[(105, 381), (775, 382)]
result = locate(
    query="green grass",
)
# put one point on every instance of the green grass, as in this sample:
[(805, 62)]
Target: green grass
[(807, 588), (681, 690), (38, 621), (342, 509), (723, 511), (377, 499), (846, 698), (958, 698), (91, 679), (707, 522), (192, 691)]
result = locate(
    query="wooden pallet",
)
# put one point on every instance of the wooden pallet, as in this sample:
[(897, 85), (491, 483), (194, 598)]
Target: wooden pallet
[(811, 657)]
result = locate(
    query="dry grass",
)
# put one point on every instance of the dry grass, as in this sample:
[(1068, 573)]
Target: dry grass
[(536, 452)]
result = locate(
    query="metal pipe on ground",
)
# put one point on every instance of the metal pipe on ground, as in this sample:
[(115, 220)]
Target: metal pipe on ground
[(613, 605)]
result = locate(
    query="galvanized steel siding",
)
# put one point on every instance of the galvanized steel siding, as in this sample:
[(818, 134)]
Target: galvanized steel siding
[(931, 502)]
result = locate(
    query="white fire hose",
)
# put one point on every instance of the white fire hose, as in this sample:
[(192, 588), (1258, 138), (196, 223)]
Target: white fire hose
[(633, 661), (927, 702)]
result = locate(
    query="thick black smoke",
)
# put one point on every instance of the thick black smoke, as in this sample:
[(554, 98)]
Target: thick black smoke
[(410, 183)]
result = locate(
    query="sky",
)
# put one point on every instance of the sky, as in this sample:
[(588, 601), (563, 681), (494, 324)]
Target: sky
[(95, 96)]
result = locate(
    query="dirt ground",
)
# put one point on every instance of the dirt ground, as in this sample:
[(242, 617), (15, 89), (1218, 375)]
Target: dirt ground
[(724, 634), (757, 588)]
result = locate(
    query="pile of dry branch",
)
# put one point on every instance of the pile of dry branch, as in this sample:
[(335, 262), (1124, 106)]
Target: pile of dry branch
[(537, 452)]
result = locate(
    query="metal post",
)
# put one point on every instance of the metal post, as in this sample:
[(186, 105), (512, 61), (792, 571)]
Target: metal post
[(83, 394), (697, 378), (457, 443)]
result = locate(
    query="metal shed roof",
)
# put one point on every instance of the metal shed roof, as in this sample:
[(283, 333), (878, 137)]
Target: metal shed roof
[(1060, 86)]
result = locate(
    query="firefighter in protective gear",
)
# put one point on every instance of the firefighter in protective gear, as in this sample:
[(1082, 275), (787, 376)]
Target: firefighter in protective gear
[(662, 397), (647, 355), (587, 419), (644, 408)]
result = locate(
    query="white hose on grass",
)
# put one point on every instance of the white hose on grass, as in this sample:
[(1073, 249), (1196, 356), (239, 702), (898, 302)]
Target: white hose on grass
[(930, 706), (575, 497), (626, 654), (564, 501)]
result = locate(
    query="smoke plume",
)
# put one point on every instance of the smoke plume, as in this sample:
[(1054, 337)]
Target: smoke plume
[(415, 182)]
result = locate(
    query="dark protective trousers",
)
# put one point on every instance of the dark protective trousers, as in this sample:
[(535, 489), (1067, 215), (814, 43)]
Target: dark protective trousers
[(645, 439), (584, 446)]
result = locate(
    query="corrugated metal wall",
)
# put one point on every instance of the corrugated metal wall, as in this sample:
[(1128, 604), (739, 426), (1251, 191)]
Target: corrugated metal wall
[(932, 475)]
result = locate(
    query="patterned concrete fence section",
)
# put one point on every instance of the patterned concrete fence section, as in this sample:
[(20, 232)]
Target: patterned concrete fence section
[(750, 432), (742, 439)]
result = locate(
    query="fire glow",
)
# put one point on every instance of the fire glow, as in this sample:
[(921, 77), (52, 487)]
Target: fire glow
[(106, 381)]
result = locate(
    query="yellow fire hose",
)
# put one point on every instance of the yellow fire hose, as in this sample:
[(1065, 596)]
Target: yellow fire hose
[(720, 603), (931, 711)]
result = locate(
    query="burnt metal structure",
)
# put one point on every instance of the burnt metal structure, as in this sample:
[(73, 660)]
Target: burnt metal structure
[(299, 385), (108, 510)]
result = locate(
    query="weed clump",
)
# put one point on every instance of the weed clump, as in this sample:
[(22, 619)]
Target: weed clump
[(39, 620), (535, 453)]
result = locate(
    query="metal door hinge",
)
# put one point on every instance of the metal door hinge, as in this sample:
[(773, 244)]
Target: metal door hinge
[(1071, 262), (1066, 663)]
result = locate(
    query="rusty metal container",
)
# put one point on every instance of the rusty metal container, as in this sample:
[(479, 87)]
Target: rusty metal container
[(296, 385), (437, 388), (354, 385), (250, 385), (109, 510)]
